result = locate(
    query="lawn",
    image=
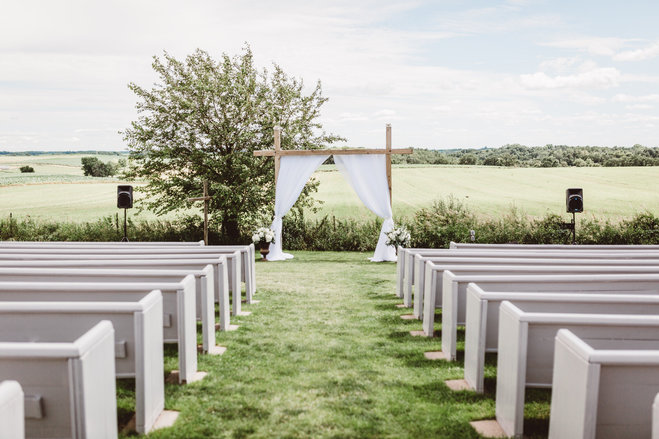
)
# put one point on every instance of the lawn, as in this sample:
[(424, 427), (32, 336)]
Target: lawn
[(325, 355)]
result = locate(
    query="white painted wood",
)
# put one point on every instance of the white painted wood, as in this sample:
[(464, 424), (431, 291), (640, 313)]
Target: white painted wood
[(12, 420), (233, 258), (434, 271), (455, 292), (220, 265), (586, 247), (416, 274), (204, 280), (482, 317), (137, 331), (533, 349), (179, 323), (247, 252), (72, 377), (622, 382)]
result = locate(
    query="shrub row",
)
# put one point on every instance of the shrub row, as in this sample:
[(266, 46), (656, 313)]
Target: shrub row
[(434, 227)]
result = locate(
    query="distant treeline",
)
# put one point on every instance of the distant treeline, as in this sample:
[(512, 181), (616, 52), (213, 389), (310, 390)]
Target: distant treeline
[(548, 156)]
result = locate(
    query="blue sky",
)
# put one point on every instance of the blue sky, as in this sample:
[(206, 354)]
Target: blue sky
[(445, 74)]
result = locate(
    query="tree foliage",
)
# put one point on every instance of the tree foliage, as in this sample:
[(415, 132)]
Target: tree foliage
[(548, 156), (26, 168), (93, 167), (204, 119)]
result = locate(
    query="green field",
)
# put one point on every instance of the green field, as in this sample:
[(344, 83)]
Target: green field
[(58, 190), (489, 191)]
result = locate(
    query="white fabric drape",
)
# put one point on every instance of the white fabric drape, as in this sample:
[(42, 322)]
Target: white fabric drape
[(368, 177), (294, 172)]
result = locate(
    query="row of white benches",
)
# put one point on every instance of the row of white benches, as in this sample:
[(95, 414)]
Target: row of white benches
[(61, 316), (507, 308)]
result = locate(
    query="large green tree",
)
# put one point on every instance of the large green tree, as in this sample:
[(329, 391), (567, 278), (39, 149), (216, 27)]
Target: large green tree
[(202, 121)]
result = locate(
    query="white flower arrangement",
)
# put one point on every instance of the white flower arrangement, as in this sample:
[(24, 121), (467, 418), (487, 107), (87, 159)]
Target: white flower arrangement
[(263, 235), (399, 237)]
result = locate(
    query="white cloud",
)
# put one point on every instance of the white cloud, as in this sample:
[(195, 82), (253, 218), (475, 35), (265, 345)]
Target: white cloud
[(630, 98), (592, 45), (649, 52), (639, 107), (598, 78)]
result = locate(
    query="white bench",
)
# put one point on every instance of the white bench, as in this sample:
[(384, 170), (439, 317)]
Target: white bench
[(526, 350), (455, 293), (68, 381), (137, 339), (414, 282), (195, 266), (247, 253), (468, 245), (204, 304), (179, 323), (432, 293), (232, 259), (234, 271), (603, 388), (11, 410), (482, 319)]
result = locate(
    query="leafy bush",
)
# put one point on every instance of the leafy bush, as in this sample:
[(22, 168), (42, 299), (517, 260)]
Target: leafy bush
[(26, 168), (92, 166), (434, 227)]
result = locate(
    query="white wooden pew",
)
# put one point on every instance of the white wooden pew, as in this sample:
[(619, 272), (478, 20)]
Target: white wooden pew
[(204, 304), (183, 254), (468, 245), (432, 294), (138, 338), (196, 267), (12, 415), (603, 388), (68, 380), (455, 292), (420, 262), (526, 350), (108, 254), (416, 263), (247, 253), (482, 319), (179, 323)]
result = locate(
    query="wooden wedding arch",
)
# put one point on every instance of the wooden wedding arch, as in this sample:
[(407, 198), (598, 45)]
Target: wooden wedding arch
[(278, 153)]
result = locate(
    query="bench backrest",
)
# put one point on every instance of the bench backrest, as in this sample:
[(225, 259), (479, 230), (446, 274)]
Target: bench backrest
[(69, 384), (603, 388), (11, 410)]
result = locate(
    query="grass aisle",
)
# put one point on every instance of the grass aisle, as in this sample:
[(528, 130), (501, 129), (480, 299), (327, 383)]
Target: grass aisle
[(324, 354)]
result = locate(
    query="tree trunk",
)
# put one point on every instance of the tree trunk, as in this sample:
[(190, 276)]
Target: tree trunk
[(230, 230)]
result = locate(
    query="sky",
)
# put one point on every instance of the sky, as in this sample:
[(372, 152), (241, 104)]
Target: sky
[(444, 73)]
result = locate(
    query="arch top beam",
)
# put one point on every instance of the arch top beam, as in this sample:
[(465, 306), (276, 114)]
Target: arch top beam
[(283, 152)]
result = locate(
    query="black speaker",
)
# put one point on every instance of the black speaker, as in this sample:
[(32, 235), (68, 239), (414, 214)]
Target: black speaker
[(574, 200), (124, 196)]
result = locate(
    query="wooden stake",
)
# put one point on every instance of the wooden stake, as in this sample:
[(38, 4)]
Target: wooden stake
[(206, 198), (388, 161), (277, 152)]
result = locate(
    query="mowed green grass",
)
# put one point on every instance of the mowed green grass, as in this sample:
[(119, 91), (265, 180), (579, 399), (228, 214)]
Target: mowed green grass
[(492, 191), (58, 190), (325, 354)]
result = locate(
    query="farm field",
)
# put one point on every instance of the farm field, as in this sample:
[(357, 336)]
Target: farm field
[(58, 190), (491, 191)]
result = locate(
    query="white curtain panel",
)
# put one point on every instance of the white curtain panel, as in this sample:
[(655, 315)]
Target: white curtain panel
[(367, 175), (294, 172)]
